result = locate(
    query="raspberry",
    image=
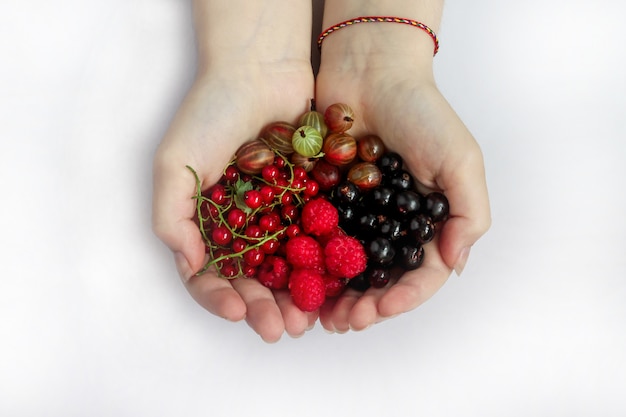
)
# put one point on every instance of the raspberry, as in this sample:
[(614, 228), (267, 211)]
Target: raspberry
[(345, 257), (334, 285), (274, 272), (319, 217), (323, 240), (307, 289), (305, 252)]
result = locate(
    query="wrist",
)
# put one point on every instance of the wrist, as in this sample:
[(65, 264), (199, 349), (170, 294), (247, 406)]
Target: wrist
[(235, 34), (426, 11), (409, 39)]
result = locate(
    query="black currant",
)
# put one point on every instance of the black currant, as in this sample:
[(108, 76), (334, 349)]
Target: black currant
[(380, 251), (408, 203), (367, 224), (380, 199), (345, 192), (410, 256), (391, 229), (436, 206), (347, 217), (389, 163), (360, 283), (401, 180), (378, 277), (421, 228)]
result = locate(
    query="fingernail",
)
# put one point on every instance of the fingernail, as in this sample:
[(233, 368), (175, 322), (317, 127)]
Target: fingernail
[(362, 329), (182, 266), (459, 266)]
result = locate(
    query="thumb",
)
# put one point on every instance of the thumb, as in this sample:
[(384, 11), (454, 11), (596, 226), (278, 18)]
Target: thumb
[(173, 208), (464, 185)]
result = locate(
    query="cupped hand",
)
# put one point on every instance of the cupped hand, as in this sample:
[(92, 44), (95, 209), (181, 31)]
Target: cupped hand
[(223, 109), (402, 105)]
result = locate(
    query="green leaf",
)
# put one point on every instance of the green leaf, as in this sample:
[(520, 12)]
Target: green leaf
[(240, 189)]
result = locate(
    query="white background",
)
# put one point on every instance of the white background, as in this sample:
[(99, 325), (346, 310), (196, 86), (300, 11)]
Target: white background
[(94, 320)]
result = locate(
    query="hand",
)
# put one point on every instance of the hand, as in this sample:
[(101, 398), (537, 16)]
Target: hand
[(223, 109), (397, 99)]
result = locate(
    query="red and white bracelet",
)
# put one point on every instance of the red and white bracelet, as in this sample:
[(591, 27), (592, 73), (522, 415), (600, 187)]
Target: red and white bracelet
[(375, 19)]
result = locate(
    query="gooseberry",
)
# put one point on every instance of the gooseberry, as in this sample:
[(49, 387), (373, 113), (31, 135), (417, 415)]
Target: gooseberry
[(365, 175), (307, 141), (370, 148), (278, 135), (339, 117), (252, 156), (339, 148), (314, 119)]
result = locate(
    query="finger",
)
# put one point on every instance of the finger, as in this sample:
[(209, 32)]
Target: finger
[(217, 296), (417, 286), (326, 312), (338, 319), (364, 312), (464, 185), (262, 313), (172, 210), (296, 321)]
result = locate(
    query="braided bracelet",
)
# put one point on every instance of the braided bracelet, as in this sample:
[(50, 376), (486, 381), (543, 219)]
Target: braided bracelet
[(373, 19)]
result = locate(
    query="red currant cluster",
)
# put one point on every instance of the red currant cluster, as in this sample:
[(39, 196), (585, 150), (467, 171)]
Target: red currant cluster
[(244, 217)]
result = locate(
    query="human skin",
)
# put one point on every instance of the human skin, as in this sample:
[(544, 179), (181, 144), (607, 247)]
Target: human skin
[(253, 68), (385, 72)]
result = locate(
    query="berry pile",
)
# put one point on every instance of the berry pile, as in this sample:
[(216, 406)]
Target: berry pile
[(313, 210), (390, 219)]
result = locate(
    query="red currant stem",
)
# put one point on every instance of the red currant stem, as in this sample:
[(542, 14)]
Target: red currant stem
[(199, 199), (232, 162), (239, 255), (284, 188)]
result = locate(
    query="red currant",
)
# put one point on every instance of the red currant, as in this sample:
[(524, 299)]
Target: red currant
[(297, 184), (236, 218), (218, 254), (287, 198), (289, 213), (270, 247), (269, 222), (231, 174), (311, 188), (253, 199), (279, 162), (270, 173), (254, 232), (229, 270), (239, 244), (267, 194), (299, 173), (218, 194), (293, 230), (249, 270), (222, 236), (254, 257), (214, 212)]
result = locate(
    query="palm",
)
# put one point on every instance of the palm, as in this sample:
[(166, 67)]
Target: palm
[(217, 116), (414, 120)]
